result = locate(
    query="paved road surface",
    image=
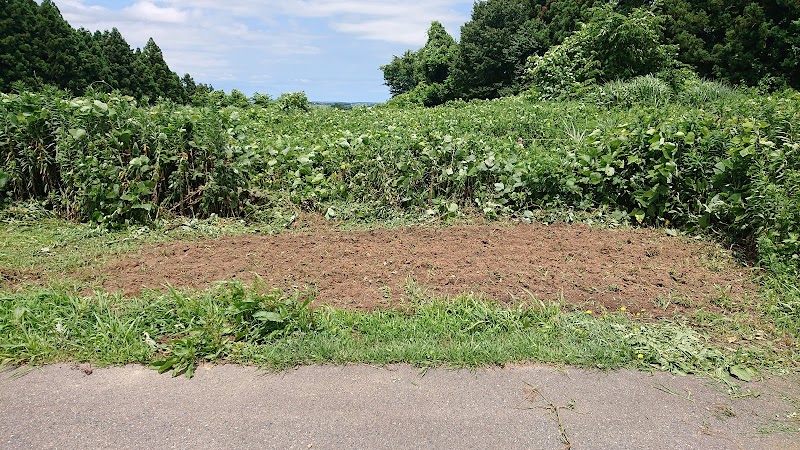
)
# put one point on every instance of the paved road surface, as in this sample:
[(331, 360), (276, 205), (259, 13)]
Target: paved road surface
[(396, 407)]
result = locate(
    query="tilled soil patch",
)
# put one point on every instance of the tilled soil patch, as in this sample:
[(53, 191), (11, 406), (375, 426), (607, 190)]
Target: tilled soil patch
[(636, 269)]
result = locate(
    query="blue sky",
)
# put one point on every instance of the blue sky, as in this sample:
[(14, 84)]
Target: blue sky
[(331, 49)]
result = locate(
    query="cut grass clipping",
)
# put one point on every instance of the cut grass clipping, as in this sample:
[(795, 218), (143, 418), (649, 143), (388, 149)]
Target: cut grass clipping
[(174, 332)]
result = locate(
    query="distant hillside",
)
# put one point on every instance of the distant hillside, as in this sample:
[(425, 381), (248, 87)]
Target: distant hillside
[(343, 105)]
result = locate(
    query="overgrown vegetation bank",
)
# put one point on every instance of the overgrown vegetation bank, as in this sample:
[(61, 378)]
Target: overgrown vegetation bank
[(700, 157)]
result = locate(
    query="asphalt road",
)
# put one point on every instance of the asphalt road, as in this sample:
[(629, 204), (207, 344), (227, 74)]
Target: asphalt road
[(396, 407)]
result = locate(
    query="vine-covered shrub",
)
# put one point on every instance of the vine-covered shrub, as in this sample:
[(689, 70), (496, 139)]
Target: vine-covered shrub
[(611, 46)]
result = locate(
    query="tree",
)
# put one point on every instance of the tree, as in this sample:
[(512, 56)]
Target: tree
[(740, 41), (58, 46), (18, 58), (426, 71), (564, 17), (437, 56), (93, 66), (121, 61), (38, 47), (791, 64), (156, 79), (189, 86), (402, 74), (494, 46)]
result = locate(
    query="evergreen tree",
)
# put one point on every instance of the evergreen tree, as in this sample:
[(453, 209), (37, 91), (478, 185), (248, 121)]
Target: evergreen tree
[(121, 61), (58, 46), (740, 41), (92, 63), (156, 79), (189, 86), (37, 47), (494, 47), (564, 17), (18, 56)]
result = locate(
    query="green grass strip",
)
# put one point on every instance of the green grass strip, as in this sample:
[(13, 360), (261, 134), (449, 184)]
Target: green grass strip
[(249, 325)]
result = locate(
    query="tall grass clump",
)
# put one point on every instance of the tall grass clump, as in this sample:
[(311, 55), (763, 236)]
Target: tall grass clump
[(700, 92), (646, 90)]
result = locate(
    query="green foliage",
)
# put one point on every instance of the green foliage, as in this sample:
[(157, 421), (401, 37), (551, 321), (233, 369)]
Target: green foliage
[(701, 157), (494, 46), (240, 314), (422, 94), (736, 41), (437, 55), (402, 74), (565, 71), (611, 46), (155, 79), (106, 159), (296, 101), (261, 99), (645, 90), (237, 98), (423, 74), (698, 92), (18, 58)]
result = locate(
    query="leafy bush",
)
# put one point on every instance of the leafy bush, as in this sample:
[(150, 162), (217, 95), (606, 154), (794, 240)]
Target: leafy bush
[(408, 99), (108, 160), (423, 94), (261, 99), (728, 165), (293, 101), (611, 46), (236, 98)]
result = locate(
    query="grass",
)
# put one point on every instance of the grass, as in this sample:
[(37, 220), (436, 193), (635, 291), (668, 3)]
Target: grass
[(248, 325)]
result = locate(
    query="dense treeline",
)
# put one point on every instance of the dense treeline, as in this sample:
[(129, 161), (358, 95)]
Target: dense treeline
[(38, 47), (735, 41)]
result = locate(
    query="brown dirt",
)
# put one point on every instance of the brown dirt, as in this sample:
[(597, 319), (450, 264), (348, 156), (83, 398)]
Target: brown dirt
[(17, 277), (368, 269)]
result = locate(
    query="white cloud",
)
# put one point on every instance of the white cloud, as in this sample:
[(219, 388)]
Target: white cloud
[(390, 21), (360, 18), (150, 12), (405, 33)]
